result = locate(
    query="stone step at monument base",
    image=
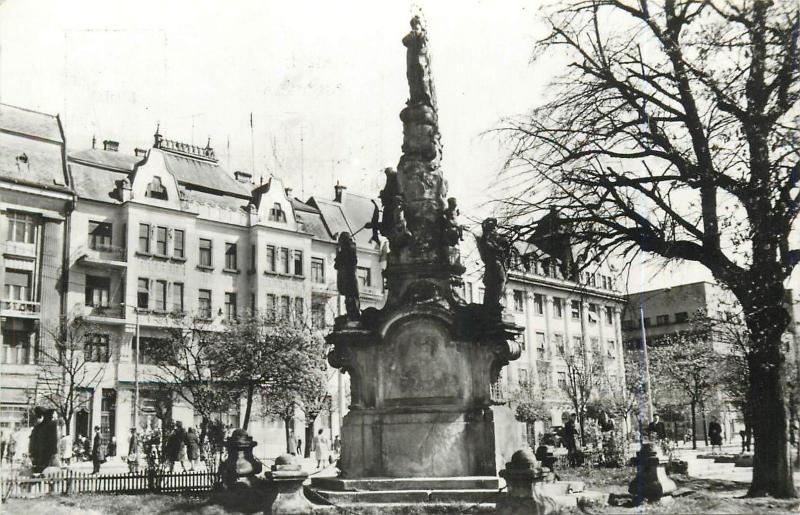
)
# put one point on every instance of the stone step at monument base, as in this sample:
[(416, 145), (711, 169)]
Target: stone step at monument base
[(406, 483), (339, 498), (405, 508)]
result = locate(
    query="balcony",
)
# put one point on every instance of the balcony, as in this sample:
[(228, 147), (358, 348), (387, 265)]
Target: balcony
[(22, 249), (105, 314), (103, 256), (19, 308)]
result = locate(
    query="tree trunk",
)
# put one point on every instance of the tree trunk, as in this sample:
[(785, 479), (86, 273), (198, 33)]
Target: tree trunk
[(249, 405), (705, 427), (290, 444), (309, 437), (694, 425)]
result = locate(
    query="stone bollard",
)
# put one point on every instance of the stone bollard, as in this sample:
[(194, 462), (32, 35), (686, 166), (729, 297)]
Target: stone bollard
[(285, 484), (524, 478), (241, 466), (651, 482)]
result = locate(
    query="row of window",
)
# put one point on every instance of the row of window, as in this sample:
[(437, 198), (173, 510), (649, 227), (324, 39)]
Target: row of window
[(680, 317), (21, 227), (544, 376), (558, 344), (558, 308)]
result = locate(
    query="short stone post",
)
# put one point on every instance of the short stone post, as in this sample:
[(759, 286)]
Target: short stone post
[(651, 482), (524, 478), (285, 484), (241, 466)]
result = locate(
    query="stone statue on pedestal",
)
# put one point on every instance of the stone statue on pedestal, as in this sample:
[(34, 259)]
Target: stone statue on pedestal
[(494, 251), (451, 230), (389, 195), (346, 280), (418, 65)]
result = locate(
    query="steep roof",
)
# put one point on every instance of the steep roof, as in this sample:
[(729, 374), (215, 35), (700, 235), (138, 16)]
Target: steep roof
[(95, 183), (106, 158), (31, 148), (351, 214), (203, 174)]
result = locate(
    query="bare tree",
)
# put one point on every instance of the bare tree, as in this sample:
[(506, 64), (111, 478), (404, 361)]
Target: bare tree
[(67, 368), (673, 131), (584, 376)]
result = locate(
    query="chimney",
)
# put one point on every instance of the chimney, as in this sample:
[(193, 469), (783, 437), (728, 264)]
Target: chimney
[(338, 189), (110, 145), (140, 152), (288, 192), (243, 177)]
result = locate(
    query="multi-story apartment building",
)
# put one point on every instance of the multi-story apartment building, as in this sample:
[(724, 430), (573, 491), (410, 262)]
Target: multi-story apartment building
[(35, 204), (559, 316)]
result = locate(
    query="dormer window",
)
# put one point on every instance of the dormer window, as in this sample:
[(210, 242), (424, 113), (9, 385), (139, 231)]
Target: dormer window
[(276, 214), (156, 189)]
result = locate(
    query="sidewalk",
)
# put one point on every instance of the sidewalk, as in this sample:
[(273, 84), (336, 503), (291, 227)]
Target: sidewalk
[(706, 468)]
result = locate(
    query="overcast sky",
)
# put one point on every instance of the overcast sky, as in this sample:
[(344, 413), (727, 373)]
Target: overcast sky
[(325, 82)]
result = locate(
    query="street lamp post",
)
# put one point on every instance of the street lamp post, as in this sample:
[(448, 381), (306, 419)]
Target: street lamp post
[(649, 411), (136, 376)]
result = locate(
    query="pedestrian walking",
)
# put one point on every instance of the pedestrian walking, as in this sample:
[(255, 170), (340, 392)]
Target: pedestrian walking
[(98, 455), (65, 449), (176, 447), (337, 445), (715, 434), (321, 448), (11, 448), (192, 448), (299, 447)]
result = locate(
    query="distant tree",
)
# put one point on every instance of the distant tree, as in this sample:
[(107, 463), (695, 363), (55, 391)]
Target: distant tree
[(620, 398), (314, 399), (529, 405), (688, 366), (67, 368), (584, 376), (282, 405)]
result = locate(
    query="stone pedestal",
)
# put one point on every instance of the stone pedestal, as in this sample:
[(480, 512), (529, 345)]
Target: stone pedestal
[(285, 485), (241, 466), (524, 479), (651, 482), (420, 387)]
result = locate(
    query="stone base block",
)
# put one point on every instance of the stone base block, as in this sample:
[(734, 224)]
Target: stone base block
[(418, 443), (744, 460), (408, 483)]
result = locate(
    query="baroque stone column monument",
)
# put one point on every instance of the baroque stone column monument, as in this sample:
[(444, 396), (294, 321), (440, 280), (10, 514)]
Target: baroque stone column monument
[(421, 367)]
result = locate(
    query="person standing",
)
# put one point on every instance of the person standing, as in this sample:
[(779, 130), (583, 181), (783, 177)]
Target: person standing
[(715, 434), (133, 452), (299, 447), (176, 447), (98, 456), (192, 448), (111, 451), (656, 428), (35, 442), (337, 446), (65, 449), (570, 438), (11, 448), (321, 448), (3, 444)]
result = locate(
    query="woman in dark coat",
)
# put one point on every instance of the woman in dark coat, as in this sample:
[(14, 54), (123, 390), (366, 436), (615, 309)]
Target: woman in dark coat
[(715, 434), (176, 447), (192, 448)]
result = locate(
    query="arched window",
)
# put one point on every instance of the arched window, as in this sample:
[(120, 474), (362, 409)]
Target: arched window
[(156, 189)]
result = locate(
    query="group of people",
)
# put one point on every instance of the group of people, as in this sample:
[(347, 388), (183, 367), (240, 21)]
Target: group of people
[(8, 447), (321, 447), (181, 446)]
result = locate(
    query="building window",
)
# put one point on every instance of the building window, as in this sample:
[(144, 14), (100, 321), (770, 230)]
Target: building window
[(284, 260), (538, 304), (519, 301), (144, 238), (286, 307), (299, 308), (19, 342), (523, 376), (647, 321), (318, 316), (150, 349), (21, 227), (230, 257), (204, 303), (96, 348), (522, 342), (277, 214), (252, 304), (576, 309), (577, 342), (230, 305), (481, 292), (611, 346), (271, 258), (562, 380), (559, 341), (609, 315), (468, 292), (593, 313), (272, 306), (178, 242), (97, 291), (298, 262), (99, 235), (161, 295), (156, 189), (364, 276), (662, 319), (177, 297), (161, 241), (252, 258), (143, 293), (540, 345), (558, 307), (683, 316), (205, 253), (17, 285), (318, 270)]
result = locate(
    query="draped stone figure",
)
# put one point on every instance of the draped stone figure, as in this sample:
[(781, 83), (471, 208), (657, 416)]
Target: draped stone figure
[(494, 251), (346, 280), (418, 64)]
